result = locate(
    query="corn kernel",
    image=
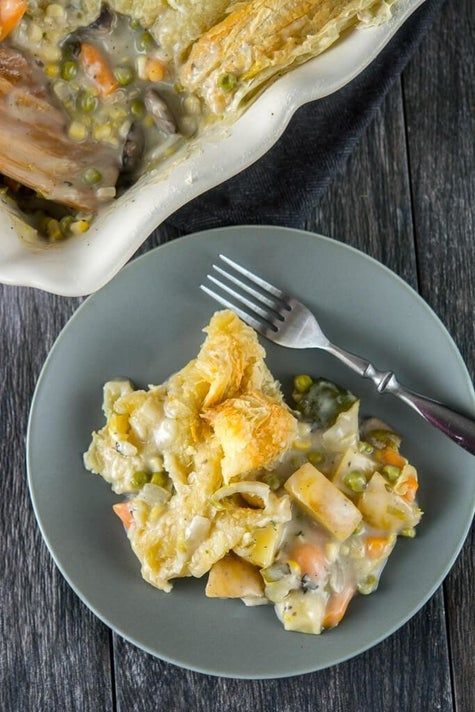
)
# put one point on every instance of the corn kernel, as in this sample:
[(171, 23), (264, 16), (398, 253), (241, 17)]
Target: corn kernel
[(79, 227), (148, 122), (56, 11), (50, 53), (52, 70), (303, 444), (77, 131), (155, 70), (117, 112), (103, 132)]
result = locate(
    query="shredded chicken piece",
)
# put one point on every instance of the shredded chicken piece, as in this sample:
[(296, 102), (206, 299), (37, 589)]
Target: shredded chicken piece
[(35, 149)]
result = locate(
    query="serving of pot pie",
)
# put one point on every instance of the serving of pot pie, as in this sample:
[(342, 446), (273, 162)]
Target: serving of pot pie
[(298, 507), (94, 95)]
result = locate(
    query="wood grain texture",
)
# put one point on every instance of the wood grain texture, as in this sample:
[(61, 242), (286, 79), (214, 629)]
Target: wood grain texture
[(401, 674), (368, 206), (54, 654), (441, 149)]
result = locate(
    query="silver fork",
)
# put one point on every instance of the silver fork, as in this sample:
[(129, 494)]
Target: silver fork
[(284, 320)]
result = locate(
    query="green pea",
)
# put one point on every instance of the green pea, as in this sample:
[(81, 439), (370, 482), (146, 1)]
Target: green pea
[(227, 82), (302, 383), (41, 220), (272, 480), (92, 176), (65, 223), (368, 586), (297, 461), (315, 457), (135, 24), (69, 70), (365, 447), (86, 102), (392, 472), (159, 478), (145, 42), (410, 533), (124, 75), (139, 479), (137, 107), (53, 230), (355, 480)]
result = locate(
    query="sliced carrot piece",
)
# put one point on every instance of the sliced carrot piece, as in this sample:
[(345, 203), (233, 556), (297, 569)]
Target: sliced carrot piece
[(375, 546), (310, 558), (11, 12), (122, 509), (336, 607), (411, 486), (97, 68), (389, 456)]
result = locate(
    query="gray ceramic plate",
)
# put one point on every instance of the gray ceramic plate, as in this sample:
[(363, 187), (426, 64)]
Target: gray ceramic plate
[(147, 323)]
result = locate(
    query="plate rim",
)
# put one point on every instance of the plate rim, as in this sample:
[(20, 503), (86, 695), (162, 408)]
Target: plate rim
[(315, 667)]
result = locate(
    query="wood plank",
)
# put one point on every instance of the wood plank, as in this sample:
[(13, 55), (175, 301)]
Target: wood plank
[(398, 675), (368, 206), (439, 101), (54, 654)]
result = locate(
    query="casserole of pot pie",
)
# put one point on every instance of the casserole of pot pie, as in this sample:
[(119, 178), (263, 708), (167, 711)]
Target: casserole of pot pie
[(296, 507), (94, 95)]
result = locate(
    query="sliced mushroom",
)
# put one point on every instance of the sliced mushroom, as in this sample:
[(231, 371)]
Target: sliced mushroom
[(72, 47), (104, 22), (160, 112), (133, 149)]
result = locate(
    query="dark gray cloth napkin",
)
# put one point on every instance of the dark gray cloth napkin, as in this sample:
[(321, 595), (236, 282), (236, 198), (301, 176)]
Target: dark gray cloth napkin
[(284, 185)]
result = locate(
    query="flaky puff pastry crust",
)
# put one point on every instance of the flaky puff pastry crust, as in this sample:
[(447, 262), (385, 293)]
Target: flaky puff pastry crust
[(220, 418), (261, 38), (253, 431)]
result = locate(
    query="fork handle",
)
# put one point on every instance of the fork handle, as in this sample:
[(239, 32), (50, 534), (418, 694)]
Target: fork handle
[(456, 426)]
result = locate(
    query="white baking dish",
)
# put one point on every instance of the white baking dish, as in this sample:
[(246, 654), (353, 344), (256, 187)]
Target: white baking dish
[(81, 265)]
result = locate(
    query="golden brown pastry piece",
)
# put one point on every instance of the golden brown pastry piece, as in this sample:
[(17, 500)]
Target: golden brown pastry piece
[(261, 38), (253, 431), (219, 418)]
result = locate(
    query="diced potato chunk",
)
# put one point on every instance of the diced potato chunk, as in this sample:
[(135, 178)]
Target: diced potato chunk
[(344, 432), (384, 509), (261, 550), (302, 612), (323, 501), (352, 460), (232, 577)]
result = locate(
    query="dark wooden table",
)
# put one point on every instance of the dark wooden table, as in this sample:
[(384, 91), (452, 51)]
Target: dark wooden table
[(406, 197)]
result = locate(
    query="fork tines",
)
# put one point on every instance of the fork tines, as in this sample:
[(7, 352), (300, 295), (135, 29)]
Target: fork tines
[(268, 303)]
